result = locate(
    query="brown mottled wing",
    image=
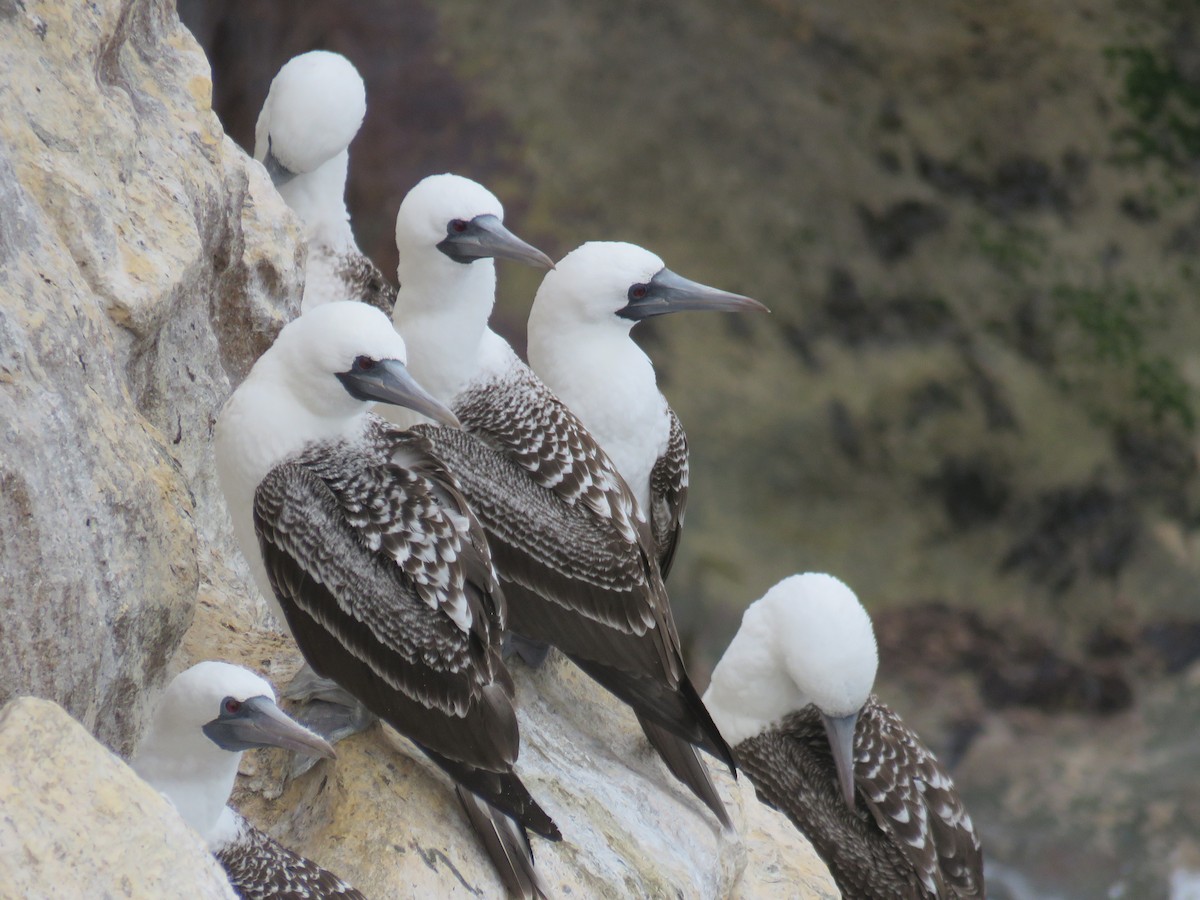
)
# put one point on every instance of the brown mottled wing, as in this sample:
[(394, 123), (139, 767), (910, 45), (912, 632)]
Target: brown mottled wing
[(382, 589), (792, 770), (668, 495), (365, 282), (578, 562), (523, 418), (259, 868), (560, 519), (915, 801)]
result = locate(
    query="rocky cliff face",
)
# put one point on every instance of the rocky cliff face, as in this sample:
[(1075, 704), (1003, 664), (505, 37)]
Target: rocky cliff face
[(80, 823), (139, 273), (145, 262)]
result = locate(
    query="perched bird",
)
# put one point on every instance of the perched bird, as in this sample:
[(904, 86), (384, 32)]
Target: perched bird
[(206, 717), (792, 694), (579, 345), (574, 552), (362, 542), (313, 110)]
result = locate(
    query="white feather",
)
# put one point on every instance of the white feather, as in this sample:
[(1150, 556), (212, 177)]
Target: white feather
[(807, 640), (313, 110), (179, 760), (291, 399), (582, 350)]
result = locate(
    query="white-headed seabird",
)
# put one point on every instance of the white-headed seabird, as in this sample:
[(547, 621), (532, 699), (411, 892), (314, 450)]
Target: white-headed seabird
[(573, 549), (362, 542), (792, 694), (206, 717), (579, 345), (313, 110)]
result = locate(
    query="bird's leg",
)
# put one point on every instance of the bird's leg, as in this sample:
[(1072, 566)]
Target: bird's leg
[(533, 653), (325, 707)]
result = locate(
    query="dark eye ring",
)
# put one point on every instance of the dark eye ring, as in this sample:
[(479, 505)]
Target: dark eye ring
[(364, 363), (458, 226), (232, 706), (639, 291)]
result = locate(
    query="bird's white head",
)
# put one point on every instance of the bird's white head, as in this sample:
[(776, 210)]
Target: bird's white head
[(826, 641), (808, 640), (313, 110), (594, 282), (619, 284), (207, 715), (447, 223), (197, 696), (339, 358)]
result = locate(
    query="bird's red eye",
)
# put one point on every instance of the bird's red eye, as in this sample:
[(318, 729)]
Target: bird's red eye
[(365, 363), (638, 292), (231, 706), (458, 226)]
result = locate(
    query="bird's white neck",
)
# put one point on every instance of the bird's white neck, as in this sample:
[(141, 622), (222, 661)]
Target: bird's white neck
[(258, 428), (751, 688), (441, 311), (609, 383), (318, 197), (195, 774)]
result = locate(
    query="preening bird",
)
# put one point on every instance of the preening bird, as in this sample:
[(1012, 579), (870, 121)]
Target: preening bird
[(792, 694), (205, 719), (573, 550), (362, 542), (313, 110), (580, 346)]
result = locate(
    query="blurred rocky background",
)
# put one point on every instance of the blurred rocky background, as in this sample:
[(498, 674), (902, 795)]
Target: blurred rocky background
[(976, 398)]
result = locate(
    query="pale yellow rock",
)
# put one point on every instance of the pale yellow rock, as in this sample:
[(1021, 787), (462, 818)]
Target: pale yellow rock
[(77, 822), (145, 262)]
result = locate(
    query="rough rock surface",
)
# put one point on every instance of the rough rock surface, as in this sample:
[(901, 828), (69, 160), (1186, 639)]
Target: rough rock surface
[(385, 819), (144, 263), (78, 822)]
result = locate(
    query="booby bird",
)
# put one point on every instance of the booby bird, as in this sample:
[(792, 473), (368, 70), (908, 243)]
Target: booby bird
[(580, 346), (314, 108), (792, 694), (208, 715), (574, 552), (362, 542)]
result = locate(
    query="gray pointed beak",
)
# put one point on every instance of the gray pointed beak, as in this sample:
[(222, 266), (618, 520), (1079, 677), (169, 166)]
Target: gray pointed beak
[(667, 292), (280, 174), (388, 381), (260, 723), (485, 236), (840, 731)]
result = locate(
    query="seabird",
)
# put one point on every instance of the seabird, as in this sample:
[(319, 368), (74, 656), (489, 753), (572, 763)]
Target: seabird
[(574, 551), (792, 694), (579, 345), (363, 544), (206, 718), (313, 110)]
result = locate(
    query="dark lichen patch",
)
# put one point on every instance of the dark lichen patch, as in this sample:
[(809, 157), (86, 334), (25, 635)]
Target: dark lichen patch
[(973, 491), (1160, 463), (1019, 184), (929, 400), (894, 232), (1081, 531), (856, 319)]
